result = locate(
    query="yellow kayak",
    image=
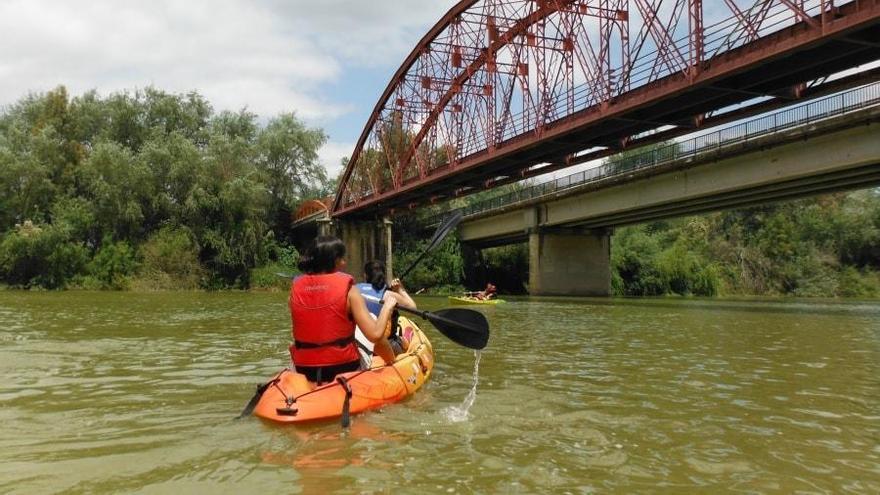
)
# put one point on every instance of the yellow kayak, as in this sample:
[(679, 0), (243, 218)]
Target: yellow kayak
[(473, 300)]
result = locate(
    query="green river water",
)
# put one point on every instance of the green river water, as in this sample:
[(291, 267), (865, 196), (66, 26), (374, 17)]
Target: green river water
[(136, 393)]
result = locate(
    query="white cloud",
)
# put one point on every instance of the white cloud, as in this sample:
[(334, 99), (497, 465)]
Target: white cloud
[(331, 154), (267, 55), (366, 32)]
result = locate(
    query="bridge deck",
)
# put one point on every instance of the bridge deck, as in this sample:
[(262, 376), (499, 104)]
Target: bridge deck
[(836, 153)]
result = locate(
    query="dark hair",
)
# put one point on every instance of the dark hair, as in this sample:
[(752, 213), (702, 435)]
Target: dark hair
[(321, 255), (375, 273)]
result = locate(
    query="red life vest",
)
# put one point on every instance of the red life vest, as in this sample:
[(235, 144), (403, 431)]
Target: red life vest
[(323, 331)]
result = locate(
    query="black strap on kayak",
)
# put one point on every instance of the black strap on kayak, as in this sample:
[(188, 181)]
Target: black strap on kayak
[(366, 358), (299, 344), (364, 348), (346, 405), (261, 389)]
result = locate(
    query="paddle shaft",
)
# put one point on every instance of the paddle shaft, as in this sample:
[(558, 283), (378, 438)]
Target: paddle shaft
[(407, 309), (442, 231)]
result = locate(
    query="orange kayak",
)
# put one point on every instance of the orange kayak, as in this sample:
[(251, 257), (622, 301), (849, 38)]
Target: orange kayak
[(291, 398)]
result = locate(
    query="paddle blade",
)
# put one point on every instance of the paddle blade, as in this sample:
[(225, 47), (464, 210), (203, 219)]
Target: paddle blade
[(261, 389), (463, 326)]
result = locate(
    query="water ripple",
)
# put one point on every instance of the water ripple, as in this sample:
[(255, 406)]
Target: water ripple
[(115, 392)]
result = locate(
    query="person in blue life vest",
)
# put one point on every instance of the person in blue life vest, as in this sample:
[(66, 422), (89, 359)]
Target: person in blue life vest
[(375, 289), (376, 286), (325, 305)]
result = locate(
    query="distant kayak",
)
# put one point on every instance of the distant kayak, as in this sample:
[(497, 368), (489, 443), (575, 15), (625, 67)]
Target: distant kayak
[(291, 398), (474, 300)]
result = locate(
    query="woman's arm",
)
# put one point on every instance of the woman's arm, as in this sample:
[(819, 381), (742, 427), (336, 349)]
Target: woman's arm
[(374, 330), (398, 289)]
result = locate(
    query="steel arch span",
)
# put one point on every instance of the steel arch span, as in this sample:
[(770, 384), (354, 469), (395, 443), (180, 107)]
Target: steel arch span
[(498, 90)]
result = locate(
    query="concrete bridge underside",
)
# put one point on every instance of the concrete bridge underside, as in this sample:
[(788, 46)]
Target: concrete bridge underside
[(569, 232)]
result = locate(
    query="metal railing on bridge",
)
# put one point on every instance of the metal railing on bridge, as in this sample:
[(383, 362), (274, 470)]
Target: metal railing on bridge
[(807, 113)]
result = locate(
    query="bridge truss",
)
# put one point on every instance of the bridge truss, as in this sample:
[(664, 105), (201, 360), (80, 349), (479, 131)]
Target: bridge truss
[(500, 90)]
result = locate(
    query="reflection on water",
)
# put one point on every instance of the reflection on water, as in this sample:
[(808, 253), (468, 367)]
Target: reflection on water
[(119, 392)]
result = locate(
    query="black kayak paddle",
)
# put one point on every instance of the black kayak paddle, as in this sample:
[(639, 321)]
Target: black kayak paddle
[(465, 327), (443, 230)]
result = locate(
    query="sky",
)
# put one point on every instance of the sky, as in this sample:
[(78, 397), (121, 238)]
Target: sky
[(326, 60)]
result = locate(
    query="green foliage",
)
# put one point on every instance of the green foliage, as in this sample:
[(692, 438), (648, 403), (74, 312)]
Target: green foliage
[(684, 272), (826, 246), (507, 267), (201, 198), (267, 276), (633, 258), (27, 184), (118, 188), (113, 265), (442, 267), (859, 283), (40, 256), (170, 259), (288, 160)]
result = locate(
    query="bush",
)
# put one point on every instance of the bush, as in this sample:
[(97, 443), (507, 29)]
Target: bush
[(442, 267), (40, 256), (446, 290), (113, 265), (634, 258), (854, 283), (507, 267), (170, 261), (267, 276), (685, 273)]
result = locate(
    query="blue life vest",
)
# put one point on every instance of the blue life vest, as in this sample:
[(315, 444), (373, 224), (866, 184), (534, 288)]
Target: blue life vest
[(368, 290)]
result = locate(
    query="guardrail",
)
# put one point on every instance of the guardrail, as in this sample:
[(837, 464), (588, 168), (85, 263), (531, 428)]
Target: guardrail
[(807, 113)]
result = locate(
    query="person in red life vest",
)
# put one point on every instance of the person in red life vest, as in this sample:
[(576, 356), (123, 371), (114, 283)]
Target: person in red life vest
[(487, 293), (324, 307)]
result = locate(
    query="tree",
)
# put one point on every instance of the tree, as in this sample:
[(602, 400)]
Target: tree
[(288, 158), (96, 180)]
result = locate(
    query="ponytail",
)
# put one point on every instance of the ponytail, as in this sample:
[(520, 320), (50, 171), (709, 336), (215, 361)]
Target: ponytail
[(375, 274)]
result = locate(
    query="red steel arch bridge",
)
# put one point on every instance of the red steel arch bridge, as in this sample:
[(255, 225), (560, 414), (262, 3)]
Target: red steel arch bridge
[(501, 90)]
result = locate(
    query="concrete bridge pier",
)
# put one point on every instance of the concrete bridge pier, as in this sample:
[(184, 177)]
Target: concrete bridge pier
[(366, 240), (569, 261)]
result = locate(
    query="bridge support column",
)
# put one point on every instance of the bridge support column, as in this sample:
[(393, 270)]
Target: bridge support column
[(366, 240), (325, 226), (569, 262), (389, 262)]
